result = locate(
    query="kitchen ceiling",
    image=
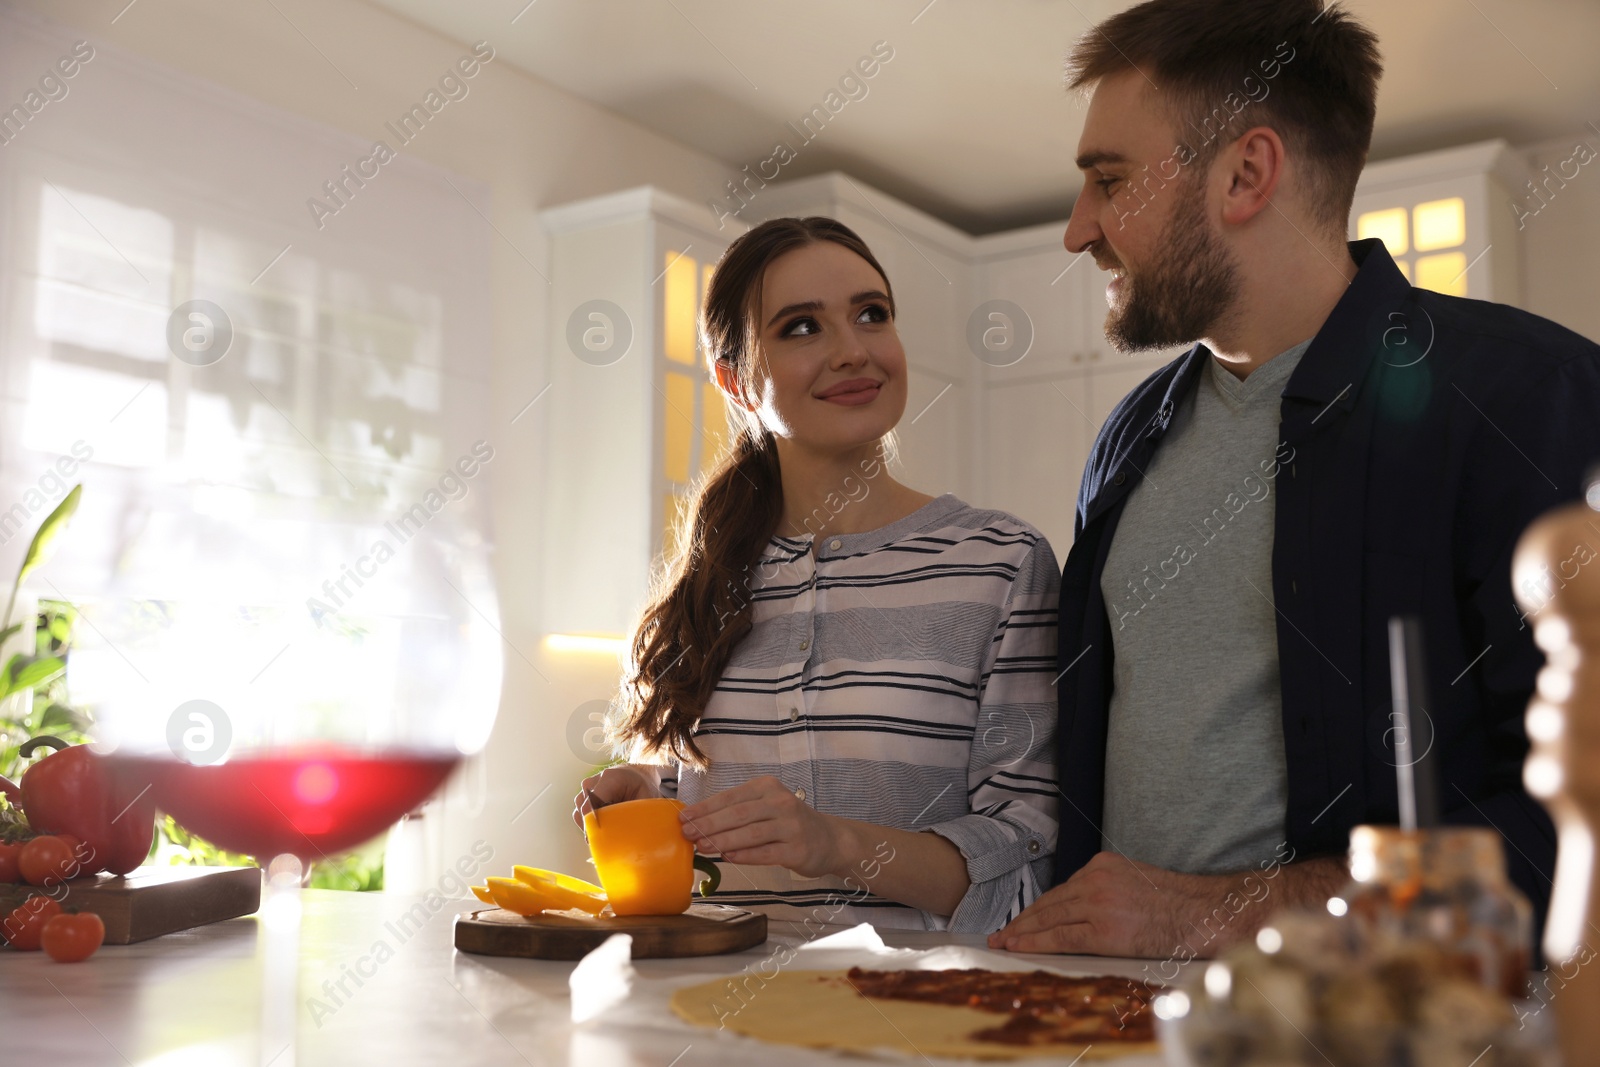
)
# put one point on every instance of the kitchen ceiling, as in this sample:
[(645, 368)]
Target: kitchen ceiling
[(968, 118)]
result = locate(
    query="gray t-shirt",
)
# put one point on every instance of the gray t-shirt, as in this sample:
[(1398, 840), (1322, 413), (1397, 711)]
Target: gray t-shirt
[(1196, 777)]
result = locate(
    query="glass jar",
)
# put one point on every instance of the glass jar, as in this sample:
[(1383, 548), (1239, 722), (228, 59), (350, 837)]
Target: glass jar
[(1447, 886)]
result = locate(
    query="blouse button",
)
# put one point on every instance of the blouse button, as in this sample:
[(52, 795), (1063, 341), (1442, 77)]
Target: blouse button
[(800, 794), (805, 645), (794, 713), (835, 543)]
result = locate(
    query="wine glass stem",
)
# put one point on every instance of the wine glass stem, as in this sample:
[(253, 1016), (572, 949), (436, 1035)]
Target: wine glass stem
[(280, 967)]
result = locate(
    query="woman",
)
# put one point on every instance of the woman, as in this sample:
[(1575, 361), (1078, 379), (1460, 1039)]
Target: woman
[(849, 682)]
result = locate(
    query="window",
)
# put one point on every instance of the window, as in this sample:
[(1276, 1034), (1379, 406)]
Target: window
[(694, 422), (1425, 240), (248, 494)]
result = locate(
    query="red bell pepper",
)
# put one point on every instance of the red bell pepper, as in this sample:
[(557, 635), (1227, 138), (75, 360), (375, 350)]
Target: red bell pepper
[(72, 792)]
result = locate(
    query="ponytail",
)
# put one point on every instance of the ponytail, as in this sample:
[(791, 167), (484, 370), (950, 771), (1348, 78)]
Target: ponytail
[(702, 610)]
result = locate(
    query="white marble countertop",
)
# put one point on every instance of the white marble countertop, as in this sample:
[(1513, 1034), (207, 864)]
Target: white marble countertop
[(191, 998)]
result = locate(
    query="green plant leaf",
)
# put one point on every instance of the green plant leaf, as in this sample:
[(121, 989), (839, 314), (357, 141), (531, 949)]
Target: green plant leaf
[(9, 632), (37, 673), (43, 544), (13, 826), (60, 627), (8, 673), (59, 716)]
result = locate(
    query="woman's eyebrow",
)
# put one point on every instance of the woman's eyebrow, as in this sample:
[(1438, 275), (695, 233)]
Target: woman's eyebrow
[(808, 305), (817, 305)]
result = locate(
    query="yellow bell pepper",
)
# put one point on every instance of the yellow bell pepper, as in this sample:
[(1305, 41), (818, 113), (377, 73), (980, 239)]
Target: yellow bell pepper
[(536, 875), (482, 893), (645, 863), (523, 898), (516, 897), (530, 896)]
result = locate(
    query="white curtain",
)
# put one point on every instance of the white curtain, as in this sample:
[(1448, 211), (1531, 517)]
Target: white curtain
[(311, 508)]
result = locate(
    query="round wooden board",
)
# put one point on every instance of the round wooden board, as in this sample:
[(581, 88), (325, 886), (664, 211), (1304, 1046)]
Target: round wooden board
[(703, 930)]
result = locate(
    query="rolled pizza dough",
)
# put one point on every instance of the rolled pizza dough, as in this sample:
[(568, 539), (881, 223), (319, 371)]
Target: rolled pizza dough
[(821, 1009)]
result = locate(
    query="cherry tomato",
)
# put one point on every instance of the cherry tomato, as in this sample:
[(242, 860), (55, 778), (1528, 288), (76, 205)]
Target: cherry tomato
[(46, 860), (8, 863), (68, 938), (81, 855), (25, 924)]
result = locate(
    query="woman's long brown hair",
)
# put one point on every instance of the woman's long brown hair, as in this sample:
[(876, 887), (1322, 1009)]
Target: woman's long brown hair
[(699, 608)]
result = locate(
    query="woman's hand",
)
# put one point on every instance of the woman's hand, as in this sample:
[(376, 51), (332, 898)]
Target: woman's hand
[(626, 781), (761, 822)]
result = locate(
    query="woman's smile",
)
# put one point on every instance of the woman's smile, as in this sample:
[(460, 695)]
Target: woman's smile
[(852, 393)]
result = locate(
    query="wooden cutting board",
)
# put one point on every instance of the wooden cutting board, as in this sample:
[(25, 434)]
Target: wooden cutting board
[(150, 901), (703, 930)]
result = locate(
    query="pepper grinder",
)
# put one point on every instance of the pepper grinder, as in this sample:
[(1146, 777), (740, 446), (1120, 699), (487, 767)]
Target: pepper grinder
[(1555, 577)]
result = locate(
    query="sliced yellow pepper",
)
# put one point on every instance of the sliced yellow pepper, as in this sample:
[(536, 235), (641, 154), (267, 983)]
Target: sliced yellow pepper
[(534, 875), (529, 897), (516, 897), (483, 894)]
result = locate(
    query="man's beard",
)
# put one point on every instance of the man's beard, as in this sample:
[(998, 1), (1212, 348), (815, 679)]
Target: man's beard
[(1181, 295)]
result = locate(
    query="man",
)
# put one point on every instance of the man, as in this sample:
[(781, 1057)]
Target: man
[(1340, 448)]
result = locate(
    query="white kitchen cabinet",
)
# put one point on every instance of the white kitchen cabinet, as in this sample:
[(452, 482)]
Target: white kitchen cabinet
[(936, 434), (1032, 271), (1451, 218), (632, 418), (1036, 428), (1038, 442), (1044, 410), (1011, 375)]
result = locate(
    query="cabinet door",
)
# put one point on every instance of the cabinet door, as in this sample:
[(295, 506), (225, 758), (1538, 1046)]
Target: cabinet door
[(1089, 291), (1043, 285), (934, 434), (1039, 437)]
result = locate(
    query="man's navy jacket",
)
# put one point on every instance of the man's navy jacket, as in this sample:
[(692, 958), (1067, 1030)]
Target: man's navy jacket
[(1420, 435)]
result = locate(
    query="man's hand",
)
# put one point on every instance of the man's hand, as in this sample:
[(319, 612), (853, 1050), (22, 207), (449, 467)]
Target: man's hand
[(1115, 906)]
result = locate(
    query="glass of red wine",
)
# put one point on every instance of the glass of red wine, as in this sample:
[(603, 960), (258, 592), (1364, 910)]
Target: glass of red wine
[(288, 734)]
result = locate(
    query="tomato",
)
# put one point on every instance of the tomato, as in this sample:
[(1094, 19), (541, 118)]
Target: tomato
[(46, 860), (24, 925), (73, 791), (69, 938), (8, 863), (81, 855)]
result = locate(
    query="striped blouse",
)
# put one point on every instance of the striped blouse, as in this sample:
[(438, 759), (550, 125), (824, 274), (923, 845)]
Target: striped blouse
[(902, 676)]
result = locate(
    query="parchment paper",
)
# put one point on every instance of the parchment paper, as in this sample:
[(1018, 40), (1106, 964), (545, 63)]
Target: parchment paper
[(608, 991)]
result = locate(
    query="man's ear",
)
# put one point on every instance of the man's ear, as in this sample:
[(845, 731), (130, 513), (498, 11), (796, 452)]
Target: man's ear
[(728, 381), (1255, 178)]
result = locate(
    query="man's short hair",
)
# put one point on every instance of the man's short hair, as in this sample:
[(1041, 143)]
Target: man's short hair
[(1308, 70)]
